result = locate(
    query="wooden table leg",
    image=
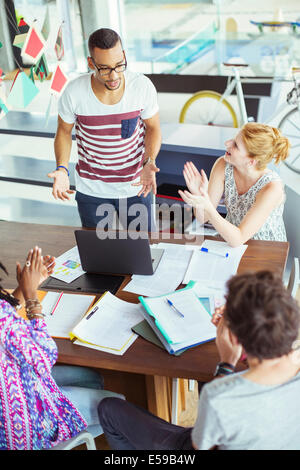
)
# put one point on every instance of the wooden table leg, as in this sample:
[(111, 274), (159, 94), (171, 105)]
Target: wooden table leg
[(159, 396)]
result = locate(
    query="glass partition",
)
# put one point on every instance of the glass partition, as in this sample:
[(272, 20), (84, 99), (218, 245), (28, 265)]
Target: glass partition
[(196, 37)]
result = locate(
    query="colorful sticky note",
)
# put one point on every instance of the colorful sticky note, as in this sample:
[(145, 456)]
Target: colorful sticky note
[(59, 45), (22, 92), (59, 80), (33, 46), (41, 69)]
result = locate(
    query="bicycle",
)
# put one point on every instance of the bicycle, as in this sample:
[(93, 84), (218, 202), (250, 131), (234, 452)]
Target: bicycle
[(215, 110)]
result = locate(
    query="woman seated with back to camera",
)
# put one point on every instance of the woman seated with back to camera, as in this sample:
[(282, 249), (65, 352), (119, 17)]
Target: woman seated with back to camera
[(254, 194), (40, 405)]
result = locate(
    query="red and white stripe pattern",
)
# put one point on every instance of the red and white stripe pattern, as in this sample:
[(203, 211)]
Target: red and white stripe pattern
[(102, 152)]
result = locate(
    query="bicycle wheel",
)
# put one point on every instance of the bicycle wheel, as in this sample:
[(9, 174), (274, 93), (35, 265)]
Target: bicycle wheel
[(205, 107), (290, 127)]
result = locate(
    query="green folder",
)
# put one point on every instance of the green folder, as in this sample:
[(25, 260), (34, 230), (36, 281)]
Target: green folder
[(144, 330)]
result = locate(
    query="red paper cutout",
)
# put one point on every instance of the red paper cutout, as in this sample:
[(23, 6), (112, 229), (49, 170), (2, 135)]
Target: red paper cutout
[(34, 45), (59, 80)]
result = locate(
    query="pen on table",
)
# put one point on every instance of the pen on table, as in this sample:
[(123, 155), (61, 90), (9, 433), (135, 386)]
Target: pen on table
[(174, 308), (56, 304), (92, 312), (208, 250)]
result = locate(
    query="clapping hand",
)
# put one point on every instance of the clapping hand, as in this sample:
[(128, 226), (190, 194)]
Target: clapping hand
[(35, 271), (195, 181)]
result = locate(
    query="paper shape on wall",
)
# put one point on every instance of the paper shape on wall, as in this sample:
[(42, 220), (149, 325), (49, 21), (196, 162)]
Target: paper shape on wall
[(31, 74), (22, 92), (3, 104), (59, 45), (3, 108), (33, 46), (19, 40), (23, 27), (41, 69), (46, 25), (58, 81)]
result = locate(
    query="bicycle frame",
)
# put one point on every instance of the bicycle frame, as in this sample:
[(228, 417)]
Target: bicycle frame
[(234, 83)]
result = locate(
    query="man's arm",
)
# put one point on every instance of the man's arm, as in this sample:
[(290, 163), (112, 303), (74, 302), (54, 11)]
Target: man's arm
[(62, 149), (152, 137), (152, 147)]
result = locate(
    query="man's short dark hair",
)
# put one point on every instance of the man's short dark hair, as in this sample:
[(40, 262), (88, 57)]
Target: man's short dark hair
[(262, 314), (103, 38)]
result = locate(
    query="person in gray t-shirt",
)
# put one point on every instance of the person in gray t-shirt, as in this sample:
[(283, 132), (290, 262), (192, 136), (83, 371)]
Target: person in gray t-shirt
[(255, 409)]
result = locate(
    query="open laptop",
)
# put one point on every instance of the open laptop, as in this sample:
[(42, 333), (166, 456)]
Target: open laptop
[(116, 255)]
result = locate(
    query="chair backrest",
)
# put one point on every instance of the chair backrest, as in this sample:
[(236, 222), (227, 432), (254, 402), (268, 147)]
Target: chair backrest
[(291, 217), (83, 437), (294, 280)]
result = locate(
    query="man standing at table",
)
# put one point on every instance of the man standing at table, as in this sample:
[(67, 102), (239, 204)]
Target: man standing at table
[(118, 135)]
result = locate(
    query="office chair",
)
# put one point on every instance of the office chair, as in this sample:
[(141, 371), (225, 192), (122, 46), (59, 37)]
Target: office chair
[(294, 279), (84, 437)]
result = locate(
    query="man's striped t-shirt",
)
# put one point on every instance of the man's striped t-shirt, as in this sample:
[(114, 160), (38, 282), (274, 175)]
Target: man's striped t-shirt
[(110, 138)]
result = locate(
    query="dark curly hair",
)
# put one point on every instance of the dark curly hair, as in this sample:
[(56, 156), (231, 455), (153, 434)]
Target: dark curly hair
[(262, 314), (103, 38), (4, 295)]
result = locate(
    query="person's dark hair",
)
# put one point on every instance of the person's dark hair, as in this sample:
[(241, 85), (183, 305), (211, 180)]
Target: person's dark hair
[(103, 38), (4, 295), (262, 314)]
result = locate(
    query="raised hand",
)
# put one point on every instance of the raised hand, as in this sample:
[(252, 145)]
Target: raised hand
[(194, 179), (34, 271)]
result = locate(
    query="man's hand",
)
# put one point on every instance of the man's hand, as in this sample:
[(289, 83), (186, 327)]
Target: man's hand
[(147, 179), (229, 349), (61, 185)]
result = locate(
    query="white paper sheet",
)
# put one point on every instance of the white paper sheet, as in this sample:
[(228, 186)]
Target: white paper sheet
[(68, 266), (213, 269), (194, 327), (69, 311), (168, 275)]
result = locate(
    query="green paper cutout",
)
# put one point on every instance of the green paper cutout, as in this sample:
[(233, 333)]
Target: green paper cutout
[(3, 107), (41, 69), (31, 75), (23, 92)]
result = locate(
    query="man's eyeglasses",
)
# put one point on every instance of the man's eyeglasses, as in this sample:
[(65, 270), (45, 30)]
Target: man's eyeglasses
[(108, 70)]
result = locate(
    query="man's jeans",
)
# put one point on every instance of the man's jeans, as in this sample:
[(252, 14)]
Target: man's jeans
[(129, 427), (135, 213)]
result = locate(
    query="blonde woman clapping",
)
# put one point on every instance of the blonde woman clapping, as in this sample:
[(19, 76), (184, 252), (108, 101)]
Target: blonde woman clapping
[(254, 195)]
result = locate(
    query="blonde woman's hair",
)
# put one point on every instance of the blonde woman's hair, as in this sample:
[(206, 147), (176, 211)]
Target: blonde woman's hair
[(265, 143)]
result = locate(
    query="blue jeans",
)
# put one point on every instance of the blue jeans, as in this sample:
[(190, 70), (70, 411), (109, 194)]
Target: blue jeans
[(135, 213), (129, 427), (84, 388)]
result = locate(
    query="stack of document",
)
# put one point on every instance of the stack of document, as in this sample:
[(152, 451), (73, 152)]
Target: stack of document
[(107, 325), (179, 319)]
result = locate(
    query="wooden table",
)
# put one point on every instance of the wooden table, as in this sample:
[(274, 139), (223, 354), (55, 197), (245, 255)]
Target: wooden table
[(143, 373)]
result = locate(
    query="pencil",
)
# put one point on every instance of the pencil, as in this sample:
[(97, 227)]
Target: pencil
[(53, 309)]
